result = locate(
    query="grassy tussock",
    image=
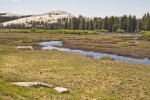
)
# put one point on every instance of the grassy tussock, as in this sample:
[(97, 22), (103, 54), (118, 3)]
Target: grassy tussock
[(107, 58)]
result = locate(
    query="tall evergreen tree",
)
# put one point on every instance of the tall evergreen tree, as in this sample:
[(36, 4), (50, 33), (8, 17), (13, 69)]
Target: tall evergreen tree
[(95, 23), (139, 25), (134, 23), (147, 24), (123, 23), (91, 25), (111, 23), (66, 25), (100, 24), (115, 27), (129, 24), (145, 20), (87, 25), (82, 24), (73, 23), (106, 23)]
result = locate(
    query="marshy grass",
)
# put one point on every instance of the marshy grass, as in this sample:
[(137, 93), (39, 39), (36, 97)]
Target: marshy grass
[(86, 78), (107, 58), (61, 31)]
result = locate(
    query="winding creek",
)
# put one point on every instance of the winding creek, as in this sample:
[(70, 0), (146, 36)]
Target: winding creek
[(136, 34), (56, 45)]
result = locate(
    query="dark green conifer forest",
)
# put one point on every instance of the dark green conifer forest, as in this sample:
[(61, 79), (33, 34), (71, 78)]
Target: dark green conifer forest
[(112, 24)]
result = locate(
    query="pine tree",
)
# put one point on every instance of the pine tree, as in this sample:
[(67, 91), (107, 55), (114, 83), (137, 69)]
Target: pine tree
[(91, 26), (100, 24), (115, 27), (106, 23), (95, 23), (147, 25), (111, 23), (123, 23), (82, 24), (134, 23), (139, 25), (66, 25), (73, 22), (145, 20), (87, 25), (51, 27), (129, 24)]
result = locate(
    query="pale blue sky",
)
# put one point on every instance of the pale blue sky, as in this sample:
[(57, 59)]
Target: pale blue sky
[(99, 8)]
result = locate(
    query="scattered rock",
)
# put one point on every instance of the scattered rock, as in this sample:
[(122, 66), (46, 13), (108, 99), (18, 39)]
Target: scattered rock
[(31, 84), (61, 90), (25, 47), (28, 84), (136, 42), (103, 62)]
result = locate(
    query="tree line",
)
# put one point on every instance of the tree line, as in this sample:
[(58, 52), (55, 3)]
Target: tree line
[(112, 24), (7, 18)]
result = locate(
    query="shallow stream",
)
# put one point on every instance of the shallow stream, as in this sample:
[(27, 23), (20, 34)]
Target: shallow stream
[(56, 45)]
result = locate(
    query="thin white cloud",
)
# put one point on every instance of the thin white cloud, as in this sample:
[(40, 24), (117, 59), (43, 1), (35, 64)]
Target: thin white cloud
[(15, 0)]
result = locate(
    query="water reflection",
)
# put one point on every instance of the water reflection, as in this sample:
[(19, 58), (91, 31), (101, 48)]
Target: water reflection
[(53, 45)]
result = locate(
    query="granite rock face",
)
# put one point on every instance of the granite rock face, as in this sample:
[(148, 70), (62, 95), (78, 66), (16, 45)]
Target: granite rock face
[(25, 47), (31, 84), (61, 90), (28, 84)]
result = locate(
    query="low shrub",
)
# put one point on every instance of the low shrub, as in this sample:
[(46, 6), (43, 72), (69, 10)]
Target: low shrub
[(26, 41), (73, 31), (120, 31), (19, 31), (103, 30), (145, 35), (61, 31)]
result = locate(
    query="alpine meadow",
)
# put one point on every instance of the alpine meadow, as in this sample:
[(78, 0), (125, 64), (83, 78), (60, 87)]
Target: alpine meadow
[(86, 50)]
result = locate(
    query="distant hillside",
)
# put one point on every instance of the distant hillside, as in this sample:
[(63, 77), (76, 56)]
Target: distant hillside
[(50, 17), (4, 17), (63, 20)]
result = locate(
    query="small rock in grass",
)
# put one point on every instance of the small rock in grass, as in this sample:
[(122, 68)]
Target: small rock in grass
[(61, 90), (136, 42), (25, 47), (28, 84), (103, 62)]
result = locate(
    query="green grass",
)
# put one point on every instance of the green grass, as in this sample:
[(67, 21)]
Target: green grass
[(86, 78), (120, 31), (107, 58), (61, 31), (12, 92), (145, 35)]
